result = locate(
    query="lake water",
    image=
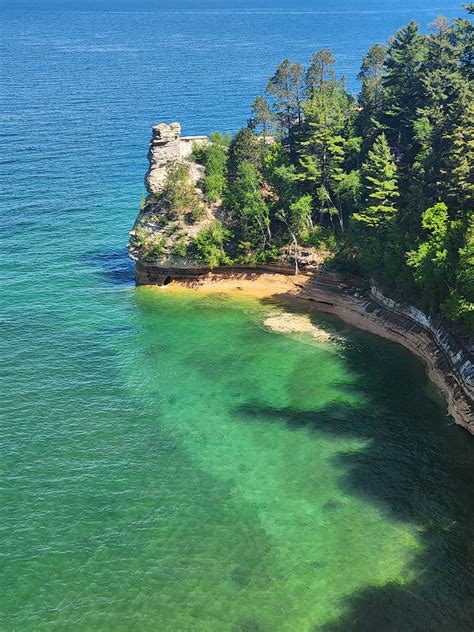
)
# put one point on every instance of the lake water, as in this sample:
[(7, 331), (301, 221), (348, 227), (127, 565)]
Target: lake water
[(166, 463)]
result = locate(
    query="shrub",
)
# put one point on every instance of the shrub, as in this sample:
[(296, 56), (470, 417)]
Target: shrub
[(209, 245), (179, 195), (199, 153), (180, 249)]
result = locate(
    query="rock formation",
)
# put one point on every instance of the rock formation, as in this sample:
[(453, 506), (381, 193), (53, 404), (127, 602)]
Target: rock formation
[(167, 146), (162, 234)]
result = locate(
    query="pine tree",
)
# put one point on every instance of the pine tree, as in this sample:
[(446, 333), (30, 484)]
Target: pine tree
[(322, 151), (320, 70), (379, 182), (403, 89), (446, 96), (249, 210), (460, 165), (371, 95), (263, 118), (287, 90), (244, 147)]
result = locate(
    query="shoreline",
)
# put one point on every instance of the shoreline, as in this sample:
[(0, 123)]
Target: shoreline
[(355, 305)]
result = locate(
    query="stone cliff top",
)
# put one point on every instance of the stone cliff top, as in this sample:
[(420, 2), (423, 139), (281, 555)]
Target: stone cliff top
[(167, 145)]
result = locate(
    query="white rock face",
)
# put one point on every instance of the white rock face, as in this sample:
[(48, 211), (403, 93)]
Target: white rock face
[(164, 147), (167, 146)]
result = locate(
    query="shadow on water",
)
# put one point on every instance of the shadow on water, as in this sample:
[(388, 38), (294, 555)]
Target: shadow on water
[(414, 483), (115, 266), (416, 467)]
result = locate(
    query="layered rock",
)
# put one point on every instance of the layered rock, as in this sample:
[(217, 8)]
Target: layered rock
[(160, 235), (166, 146)]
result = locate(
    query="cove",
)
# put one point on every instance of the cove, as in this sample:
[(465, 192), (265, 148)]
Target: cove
[(252, 480), (319, 474)]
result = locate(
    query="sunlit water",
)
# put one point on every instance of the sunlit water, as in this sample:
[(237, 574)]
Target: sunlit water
[(166, 462)]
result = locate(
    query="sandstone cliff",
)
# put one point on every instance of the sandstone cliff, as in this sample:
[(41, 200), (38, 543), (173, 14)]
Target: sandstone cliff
[(166, 146), (162, 233)]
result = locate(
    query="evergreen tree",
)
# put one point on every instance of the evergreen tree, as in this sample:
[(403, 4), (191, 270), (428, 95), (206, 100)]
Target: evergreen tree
[(403, 89), (464, 36), (405, 146), (371, 95), (379, 183), (286, 87), (460, 164), (244, 147), (322, 150), (246, 202), (263, 118), (320, 70), (460, 303), (446, 96), (373, 226)]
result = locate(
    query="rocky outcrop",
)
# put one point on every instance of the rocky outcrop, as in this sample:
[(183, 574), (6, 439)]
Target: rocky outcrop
[(167, 145), (163, 233)]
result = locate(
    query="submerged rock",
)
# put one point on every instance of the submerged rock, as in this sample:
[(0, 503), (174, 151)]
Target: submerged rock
[(288, 323)]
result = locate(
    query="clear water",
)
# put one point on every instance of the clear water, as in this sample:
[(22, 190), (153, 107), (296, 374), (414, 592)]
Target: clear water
[(165, 462)]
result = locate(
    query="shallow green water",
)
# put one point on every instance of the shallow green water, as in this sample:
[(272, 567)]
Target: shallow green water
[(249, 480)]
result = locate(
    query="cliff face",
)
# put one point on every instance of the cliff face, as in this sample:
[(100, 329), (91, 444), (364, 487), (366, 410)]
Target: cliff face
[(163, 239), (168, 146), (162, 234)]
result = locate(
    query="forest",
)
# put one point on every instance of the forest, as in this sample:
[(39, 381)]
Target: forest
[(381, 183)]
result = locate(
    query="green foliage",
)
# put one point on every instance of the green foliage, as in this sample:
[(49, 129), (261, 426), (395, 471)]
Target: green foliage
[(243, 148), (196, 215), (322, 239), (403, 88), (286, 87), (215, 179), (263, 119), (320, 70), (217, 138), (209, 245), (372, 226), (143, 203), (379, 186), (432, 260), (245, 199), (299, 220), (199, 153), (322, 151), (179, 196), (355, 177), (371, 98), (180, 249), (151, 246), (460, 303)]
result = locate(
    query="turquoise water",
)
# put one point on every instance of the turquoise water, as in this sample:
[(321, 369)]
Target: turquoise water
[(166, 463)]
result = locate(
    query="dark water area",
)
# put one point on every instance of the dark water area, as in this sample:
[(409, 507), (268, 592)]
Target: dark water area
[(165, 461)]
